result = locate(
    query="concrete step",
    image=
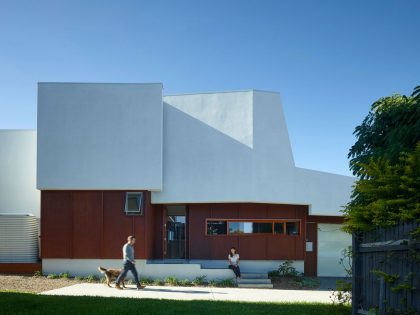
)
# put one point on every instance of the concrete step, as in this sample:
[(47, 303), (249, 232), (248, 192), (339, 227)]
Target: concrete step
[(254, 276), (256, 285), (254, 281)]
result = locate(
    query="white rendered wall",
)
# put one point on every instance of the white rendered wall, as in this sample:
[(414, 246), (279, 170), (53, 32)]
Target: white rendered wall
[(18, 193), (234, 147), (331, 242), (84, 267), (99, 136)]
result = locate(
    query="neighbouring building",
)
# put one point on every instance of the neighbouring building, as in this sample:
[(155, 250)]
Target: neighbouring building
[(189, 175)]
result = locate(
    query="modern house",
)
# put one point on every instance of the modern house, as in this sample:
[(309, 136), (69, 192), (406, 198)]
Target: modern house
[(188, 175)]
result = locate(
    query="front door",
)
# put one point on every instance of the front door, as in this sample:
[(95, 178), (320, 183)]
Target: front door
[(175, 235)]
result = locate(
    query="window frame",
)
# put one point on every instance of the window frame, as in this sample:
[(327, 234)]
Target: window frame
[(272, 221), (141, 203)]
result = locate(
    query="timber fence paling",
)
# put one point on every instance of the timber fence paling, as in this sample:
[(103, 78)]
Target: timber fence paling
[(389, 250)]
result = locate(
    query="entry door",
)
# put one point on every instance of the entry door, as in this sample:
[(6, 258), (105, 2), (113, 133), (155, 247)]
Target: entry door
[(175, 232)]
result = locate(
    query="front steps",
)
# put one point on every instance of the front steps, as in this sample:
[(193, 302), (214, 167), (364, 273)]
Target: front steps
[(254, 280)]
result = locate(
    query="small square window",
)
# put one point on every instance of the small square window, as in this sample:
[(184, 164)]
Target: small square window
[(216, 227), (292, 228), (133, 203)]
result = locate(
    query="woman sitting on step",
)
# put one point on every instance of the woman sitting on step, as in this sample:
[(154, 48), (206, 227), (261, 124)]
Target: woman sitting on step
[(233, 259)]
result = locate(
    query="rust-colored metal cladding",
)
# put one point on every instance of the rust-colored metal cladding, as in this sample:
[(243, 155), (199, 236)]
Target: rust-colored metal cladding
[(92, 224), (56, 224), (326, 219), (311, 257), (20, 268), (259, 246)]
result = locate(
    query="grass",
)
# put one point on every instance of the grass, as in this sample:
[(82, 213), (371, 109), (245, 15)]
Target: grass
[(24, 303)]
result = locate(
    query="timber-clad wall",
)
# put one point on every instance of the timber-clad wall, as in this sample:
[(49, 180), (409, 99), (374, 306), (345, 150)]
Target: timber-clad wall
[(92, 224)]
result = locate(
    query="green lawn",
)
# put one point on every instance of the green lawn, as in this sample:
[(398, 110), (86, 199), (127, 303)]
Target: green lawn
[(24, 303)]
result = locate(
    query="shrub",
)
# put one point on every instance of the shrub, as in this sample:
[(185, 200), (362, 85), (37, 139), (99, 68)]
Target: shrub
[(185, 283), (53, 276), (227, 283), (172, 281), (287, 269), (38, 273), (213, 283), (65, 275), (91, 278), (199, 280), (158, 282), (146, 281), (273, 273), (79, 278)]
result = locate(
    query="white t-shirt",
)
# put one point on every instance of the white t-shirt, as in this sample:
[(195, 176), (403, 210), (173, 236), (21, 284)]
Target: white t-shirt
[(234, 259)]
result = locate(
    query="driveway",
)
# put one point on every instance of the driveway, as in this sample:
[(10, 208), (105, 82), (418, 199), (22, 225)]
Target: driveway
[(195, 293)]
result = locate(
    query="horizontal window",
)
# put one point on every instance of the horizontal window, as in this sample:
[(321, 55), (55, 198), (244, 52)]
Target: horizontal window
[(249, 227), (216, 227)]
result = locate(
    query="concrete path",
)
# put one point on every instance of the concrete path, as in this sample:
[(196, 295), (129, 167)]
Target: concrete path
[(195, 293)]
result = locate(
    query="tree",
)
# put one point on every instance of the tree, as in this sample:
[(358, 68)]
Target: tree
[(391, 127), (386, 158)]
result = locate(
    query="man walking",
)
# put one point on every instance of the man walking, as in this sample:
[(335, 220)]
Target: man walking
[(128, 263)]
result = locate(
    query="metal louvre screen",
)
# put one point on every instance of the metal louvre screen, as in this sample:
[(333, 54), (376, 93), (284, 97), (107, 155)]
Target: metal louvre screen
[(19, 238)]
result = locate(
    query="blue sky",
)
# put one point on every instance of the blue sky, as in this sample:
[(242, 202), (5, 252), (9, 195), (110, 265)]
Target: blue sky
[(329, 59)]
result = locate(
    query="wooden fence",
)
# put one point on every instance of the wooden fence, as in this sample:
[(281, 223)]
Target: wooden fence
[(386, 271)]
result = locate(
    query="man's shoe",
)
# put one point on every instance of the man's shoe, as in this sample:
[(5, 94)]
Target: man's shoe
[(140, 287), (117, 286)]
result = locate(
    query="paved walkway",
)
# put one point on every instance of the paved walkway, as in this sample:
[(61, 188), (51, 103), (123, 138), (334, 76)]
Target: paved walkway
[(196, 293)]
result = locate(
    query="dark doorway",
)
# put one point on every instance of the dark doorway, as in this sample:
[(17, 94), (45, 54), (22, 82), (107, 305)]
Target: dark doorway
[(175, 236)]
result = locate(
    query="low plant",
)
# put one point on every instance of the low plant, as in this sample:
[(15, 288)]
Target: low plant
[(130, 281), (65, 275), (91, 278), (212, 283), (199, 280), (227, 283), (274, 273), (306, 282), (79, 278), (185, 283), (53, 276), (146, 281), (158, 282), (287, 269), (172, 281), (38, 273)]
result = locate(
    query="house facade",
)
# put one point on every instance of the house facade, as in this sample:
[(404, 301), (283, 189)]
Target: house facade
[(189, 176)]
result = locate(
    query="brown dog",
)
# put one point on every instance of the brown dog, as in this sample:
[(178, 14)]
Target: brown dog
[(111, 274)]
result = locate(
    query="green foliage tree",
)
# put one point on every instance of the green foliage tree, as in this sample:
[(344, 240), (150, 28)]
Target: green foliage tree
[(392, 126), (386, 158)]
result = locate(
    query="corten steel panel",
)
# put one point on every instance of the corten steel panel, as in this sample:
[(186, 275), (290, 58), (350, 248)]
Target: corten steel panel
[(158, 230), (279, 248), (311, 257), (200, 245), (325, 219), (259, 247), (116, 225), (56, 224), (20, 268), (253, 247), (149, 231), (254, 211), (87, 224)]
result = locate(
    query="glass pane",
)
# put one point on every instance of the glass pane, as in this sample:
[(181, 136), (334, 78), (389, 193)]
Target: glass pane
[(250, 227), (292, 228), (216, 227), (132, 203), (175, 230), (279, 228)]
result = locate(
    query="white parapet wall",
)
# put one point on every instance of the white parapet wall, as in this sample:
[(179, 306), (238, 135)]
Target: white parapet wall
[(331, 243), (213, 270)]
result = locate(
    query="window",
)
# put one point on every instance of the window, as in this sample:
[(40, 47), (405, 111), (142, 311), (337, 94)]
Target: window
[(216, 227), (133, 203), (279, 228), (292, 228), (249, 227)]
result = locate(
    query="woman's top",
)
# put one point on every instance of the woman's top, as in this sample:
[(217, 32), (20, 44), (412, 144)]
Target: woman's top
[(234, 258)]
